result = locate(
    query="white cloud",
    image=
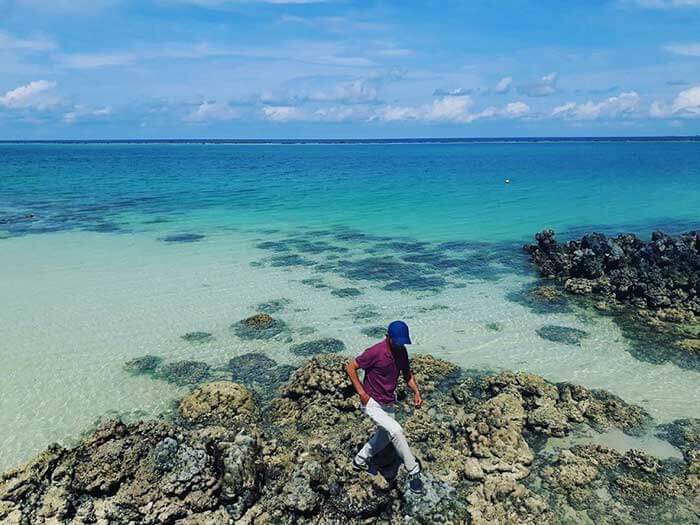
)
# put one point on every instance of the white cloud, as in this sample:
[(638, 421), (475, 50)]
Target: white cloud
[(504, 85), (689, 49), (81, 112), (341, 113), (450, 109), (283, 113), (358, 90), (330, 54), (545, 86), (685, 105), (687, 102), (619, 106), (516, 109), (212, 112), (9, 42), (38, 94), (665, 4)]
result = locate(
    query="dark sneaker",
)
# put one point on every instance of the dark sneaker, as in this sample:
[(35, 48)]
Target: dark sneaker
[(360, 465), (415, 483)]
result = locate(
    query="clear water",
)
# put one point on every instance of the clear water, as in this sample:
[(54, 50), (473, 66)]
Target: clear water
[(426, 232)]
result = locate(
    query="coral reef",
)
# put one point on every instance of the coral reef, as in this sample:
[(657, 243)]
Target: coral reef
[(479, 436)]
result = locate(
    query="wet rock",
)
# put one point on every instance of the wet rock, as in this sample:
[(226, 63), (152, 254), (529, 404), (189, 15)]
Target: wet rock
[(143, 365), (685, 435), (260, 373), (326, 345), (221, 461), (562, 334), (219, 403), (147, 473), (183, 372), (198, 337), (259, 326), (657, 280), (183, 238), (495, 327)]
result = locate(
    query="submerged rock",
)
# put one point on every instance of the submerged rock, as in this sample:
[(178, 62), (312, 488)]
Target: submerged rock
[(562, 334), (260, 373), (375, 332), (143, 365), (274, 306), (183, 372), (183, 237), (259, 326), (346, 292), (197, 337), (326, 345), (657, 281)]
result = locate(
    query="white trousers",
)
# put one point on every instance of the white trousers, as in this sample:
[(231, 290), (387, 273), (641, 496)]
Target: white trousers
[(388, 431)]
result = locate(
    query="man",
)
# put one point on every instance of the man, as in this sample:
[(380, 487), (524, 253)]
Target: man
[(382, 364)]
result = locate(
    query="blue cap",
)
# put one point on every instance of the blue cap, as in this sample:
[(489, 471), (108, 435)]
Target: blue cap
[(398, 331)]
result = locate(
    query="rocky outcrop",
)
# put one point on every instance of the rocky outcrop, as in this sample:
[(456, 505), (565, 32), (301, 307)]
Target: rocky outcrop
[(657, 282), (661, 274), (480, 438), (259, 326)]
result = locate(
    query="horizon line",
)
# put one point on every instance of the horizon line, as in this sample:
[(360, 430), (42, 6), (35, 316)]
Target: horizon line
[(191, 140)]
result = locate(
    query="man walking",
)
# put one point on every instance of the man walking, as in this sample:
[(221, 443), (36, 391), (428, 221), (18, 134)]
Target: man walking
[(382, 364)]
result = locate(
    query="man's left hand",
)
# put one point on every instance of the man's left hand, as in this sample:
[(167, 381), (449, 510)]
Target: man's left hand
[(418, 401)]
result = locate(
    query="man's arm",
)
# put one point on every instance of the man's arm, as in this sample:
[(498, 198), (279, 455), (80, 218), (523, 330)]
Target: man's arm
[(413, 385), (351, 369)]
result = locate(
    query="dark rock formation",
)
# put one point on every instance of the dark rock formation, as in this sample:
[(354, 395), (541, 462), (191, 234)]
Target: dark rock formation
[(260, 373), (143, 365), (327, 345), (661, 275), (259, 326), (656, 283), (221, 463), (375, 332), (183, 372), (346, 292)]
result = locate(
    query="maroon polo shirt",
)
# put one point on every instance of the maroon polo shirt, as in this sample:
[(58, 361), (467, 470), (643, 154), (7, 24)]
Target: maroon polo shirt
[(382, 368)]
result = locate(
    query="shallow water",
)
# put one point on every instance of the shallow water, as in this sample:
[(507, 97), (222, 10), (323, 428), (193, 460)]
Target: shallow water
[(131, 247)]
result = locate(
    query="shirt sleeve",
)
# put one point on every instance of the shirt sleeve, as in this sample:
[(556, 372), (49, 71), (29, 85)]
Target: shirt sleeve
[(367, 359)]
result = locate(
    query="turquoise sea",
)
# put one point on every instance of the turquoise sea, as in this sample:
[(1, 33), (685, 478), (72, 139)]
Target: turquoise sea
[(110, 251)]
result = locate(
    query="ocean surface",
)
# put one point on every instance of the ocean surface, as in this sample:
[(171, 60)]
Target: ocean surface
[(110, 251)]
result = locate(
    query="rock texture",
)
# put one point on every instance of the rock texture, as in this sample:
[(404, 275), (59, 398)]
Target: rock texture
[(657, 282), (480, 438)]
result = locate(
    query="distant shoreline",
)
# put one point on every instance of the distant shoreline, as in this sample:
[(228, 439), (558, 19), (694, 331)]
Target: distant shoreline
[(447, 140)]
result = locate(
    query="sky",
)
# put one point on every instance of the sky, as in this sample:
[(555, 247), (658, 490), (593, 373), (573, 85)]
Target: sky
[(118, 69)]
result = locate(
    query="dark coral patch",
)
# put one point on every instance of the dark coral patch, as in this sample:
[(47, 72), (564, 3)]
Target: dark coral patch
[(197, 337), (183, 237), (259, 326), (327, 345), (562, 334)]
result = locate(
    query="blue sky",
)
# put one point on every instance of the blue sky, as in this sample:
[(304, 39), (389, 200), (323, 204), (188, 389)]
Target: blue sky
[(343, 68)]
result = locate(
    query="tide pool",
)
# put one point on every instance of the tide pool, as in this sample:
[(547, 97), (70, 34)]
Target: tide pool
[(111, 252)]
